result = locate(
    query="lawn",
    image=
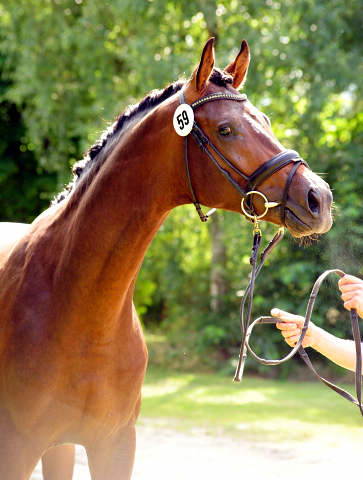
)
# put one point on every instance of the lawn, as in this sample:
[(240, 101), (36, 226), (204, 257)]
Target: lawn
[(258, 409)]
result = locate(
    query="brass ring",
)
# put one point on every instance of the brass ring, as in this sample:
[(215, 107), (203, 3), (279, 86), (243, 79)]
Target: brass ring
[(267, 205)]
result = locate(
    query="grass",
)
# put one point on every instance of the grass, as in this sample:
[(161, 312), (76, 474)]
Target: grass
[(258, 409)]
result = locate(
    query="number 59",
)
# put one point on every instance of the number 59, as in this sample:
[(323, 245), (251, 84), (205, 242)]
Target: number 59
[(183, 119)]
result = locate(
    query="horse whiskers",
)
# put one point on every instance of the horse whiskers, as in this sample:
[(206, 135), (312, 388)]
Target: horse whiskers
[(308, 240), (335, 211)]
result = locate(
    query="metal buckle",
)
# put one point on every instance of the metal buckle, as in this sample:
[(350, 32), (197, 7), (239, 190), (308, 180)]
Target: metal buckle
[(257, 217), (267, 206)]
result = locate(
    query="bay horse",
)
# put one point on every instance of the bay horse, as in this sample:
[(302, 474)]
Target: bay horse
[(72, 352)]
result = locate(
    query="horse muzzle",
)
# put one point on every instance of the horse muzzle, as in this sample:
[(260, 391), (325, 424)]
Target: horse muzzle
[(308, 206)]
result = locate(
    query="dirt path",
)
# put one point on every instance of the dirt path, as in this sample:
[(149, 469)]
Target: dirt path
[(164, 454)]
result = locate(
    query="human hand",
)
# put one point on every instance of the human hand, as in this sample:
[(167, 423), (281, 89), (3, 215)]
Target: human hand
[(291, 328), (352, 293)]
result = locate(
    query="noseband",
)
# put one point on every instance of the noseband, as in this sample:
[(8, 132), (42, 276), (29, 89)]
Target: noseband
[(253, 181)]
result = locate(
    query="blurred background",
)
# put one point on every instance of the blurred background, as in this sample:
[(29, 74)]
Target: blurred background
[(68, 68)]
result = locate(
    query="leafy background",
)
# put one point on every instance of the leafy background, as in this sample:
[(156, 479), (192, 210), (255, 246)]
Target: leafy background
[(69, 67)]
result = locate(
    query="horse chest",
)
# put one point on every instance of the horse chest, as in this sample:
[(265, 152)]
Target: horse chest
[(95, 371), (90, 392)]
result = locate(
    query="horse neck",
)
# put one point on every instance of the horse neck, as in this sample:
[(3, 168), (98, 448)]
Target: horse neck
[(103, 233)]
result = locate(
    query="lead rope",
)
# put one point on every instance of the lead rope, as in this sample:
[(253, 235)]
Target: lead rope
[(246, 328), (249, 293)]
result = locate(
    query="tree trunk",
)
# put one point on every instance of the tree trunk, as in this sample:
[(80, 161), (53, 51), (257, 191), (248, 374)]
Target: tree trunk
[(218, 280), (209, 8)]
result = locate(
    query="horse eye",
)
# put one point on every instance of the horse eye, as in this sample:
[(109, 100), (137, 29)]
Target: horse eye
[(225, 130)]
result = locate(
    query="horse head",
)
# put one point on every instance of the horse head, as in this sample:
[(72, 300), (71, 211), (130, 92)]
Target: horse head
[(238, 132)]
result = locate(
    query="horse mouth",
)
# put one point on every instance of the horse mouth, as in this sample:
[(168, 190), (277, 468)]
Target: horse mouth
[(295, 225)]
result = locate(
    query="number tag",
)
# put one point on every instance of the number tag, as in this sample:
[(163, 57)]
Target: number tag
[(183, 119)]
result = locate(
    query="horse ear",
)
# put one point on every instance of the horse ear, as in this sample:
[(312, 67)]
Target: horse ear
[(238, 68), (205, 67)]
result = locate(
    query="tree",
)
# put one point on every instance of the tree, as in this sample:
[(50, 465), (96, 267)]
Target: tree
[(70, 64)]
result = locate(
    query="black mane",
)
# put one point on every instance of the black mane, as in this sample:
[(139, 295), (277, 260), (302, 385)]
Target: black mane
[(152, 100)]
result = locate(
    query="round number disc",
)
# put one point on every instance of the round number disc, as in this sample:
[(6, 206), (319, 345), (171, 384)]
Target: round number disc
[(183, 119)]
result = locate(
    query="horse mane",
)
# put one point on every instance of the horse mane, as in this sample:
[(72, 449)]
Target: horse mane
[(96, 154)]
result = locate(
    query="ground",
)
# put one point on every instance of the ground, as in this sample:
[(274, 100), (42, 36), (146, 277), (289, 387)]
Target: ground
[(168, 454)]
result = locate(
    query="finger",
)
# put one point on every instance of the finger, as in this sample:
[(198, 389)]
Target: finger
[(349, 279), (292, 340), (347, 296), (352, 296), (286, 316), (345, 279), (353, 303), (276, 312), (350, 287), (286, 326), (291, 334)]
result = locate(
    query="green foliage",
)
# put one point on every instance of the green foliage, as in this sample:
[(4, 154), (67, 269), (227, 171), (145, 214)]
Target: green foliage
[(69, 66), (19, 169), (177, 263)]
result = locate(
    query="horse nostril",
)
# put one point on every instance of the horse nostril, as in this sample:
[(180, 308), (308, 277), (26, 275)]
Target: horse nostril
[(313, 201)]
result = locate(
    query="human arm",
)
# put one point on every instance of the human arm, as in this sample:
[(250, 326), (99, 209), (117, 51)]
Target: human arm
[(341, 352)]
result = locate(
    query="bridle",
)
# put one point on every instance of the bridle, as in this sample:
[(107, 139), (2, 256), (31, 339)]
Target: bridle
[(252, 183)]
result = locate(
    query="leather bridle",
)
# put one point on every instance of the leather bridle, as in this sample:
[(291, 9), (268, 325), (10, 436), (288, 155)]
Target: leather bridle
[(253, 181)]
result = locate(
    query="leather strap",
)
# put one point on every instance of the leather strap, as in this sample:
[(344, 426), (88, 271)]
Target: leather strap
[(287, 188), (249, 292), (271, 166), (217, 96), (247, 330)]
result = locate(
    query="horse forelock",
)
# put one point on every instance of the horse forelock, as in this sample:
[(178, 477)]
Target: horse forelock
[(98, 152), (220, 78)]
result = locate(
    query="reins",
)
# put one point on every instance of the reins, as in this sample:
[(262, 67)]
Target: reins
[(185, 117), (246, 326)]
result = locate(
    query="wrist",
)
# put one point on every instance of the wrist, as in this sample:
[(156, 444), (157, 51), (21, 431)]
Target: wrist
[(317, 338)]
